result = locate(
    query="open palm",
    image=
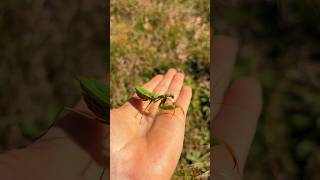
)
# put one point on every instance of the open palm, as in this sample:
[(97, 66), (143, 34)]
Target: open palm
[(148, 145)]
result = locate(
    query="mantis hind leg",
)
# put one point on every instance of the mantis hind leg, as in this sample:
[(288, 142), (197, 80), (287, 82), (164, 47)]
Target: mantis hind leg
[(236, 162), (232, 153), (175, 107), (184, 114), (170, 107), (143, 112), (174, 111)]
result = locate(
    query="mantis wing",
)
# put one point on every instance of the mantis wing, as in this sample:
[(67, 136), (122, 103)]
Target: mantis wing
[(96, 96), (144, 94)]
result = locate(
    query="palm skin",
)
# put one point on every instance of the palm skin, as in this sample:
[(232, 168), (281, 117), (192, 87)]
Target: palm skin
[(148, 145)]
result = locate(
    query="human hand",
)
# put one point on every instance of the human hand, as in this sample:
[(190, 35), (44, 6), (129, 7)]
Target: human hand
[(73, 150), (148, 145), (235, 119)]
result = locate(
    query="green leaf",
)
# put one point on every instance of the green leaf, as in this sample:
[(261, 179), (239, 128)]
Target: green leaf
[(95, 89)]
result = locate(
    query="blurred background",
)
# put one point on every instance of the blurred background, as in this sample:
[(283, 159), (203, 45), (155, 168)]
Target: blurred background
[(150, 36), (279, 43), (45, 45)]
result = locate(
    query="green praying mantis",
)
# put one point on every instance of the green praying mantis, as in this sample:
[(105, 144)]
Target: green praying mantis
[(96, 96), (146, 95)]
